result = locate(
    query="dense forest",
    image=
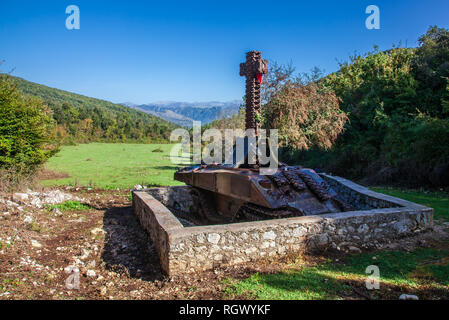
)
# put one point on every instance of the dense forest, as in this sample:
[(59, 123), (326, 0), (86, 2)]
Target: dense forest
[(80, 119), (397, 105)]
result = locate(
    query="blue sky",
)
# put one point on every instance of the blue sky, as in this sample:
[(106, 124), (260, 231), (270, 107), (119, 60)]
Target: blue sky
[(145, 51)]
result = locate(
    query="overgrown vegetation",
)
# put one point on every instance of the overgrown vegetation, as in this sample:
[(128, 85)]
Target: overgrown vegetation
[(305, 115), (80, 119), (26, 133), (69, 206), (398, 129)]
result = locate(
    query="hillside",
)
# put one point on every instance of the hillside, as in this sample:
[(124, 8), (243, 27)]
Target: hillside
[(184, 113), (84, 119)]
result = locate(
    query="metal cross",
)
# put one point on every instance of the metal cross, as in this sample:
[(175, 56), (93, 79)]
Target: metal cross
[(253, 69)]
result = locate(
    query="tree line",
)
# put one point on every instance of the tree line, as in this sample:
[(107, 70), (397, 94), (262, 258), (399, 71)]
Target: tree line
[(382, 118)]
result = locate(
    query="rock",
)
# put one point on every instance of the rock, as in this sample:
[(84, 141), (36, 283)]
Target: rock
[(213, 238), (97, 231), (36, 244), (322, 240), (91, 273), (138, 187), (91, 264), (354, 249), (55, 197), (422, 243), (11, 204), (363, 228), (20, 197), (36, 202), (85, 254), (269, 235), (408, 297), (28, 219), (400, 227), (57, 212)]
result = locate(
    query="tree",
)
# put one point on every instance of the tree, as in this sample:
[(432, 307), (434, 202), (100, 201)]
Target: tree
[(431, 70), (26, 129), (306, 115)]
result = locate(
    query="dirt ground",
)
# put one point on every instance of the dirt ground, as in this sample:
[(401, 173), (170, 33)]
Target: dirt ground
[(115, 257)]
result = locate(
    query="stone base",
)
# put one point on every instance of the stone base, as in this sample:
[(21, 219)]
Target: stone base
[(379, 218)]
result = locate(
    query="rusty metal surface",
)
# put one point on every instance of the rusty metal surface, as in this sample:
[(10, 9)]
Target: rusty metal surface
[(286, 189), (253, 68), (320, 188)]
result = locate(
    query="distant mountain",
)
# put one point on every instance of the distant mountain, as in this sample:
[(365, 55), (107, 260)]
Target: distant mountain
[(184, 113)]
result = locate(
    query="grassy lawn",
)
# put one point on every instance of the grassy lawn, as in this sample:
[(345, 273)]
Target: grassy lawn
[(424, 271), (421, 269), (109, 166), (439, 201)]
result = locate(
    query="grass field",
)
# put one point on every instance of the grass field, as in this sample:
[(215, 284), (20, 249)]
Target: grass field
[(420, 271), (439, 201), (423, 271), (416, 271), (110, 166)]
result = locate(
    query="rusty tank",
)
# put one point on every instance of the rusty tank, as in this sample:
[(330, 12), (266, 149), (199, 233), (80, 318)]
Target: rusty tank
[(224, 193)]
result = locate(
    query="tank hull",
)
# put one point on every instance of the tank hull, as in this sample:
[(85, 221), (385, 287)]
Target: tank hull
[(232, 188)]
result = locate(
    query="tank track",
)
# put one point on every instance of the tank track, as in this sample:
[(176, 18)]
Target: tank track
[(321, 190), (286, 178), (204, 208), (294, 179), (252, 212)]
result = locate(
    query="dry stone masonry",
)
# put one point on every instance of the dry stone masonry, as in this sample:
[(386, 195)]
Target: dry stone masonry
[(185, 248)]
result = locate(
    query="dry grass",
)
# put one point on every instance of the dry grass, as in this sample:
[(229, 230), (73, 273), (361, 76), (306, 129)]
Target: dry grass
[(12, 180)]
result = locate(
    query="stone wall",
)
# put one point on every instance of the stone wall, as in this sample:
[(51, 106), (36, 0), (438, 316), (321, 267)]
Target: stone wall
[(174, 197), (158, 221), (357, 196), (205, 247)]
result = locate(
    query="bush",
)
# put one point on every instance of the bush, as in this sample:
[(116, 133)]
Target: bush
[(305, 115), (398, 107), (26, 130)]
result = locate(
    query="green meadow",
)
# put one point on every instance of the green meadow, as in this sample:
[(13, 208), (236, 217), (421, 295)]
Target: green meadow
[(439, 201), (421, 271), (113, 165)]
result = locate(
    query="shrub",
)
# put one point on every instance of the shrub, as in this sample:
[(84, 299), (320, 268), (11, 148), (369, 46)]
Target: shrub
[(26, 130), (305, 115)]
